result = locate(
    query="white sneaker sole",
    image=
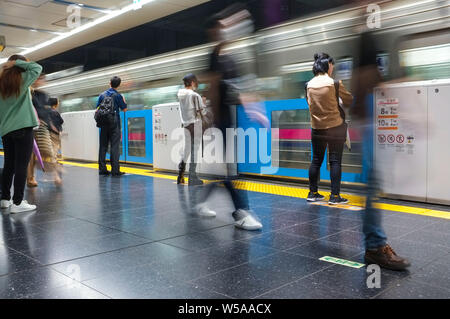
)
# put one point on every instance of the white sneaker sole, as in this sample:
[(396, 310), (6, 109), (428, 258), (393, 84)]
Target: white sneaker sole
[(242, 225), (314, 199), (204, 212), (341, 203), (22, 210), (207, 214), (3, 206)]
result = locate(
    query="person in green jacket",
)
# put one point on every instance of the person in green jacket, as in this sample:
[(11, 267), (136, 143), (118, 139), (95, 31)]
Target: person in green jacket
[(17, 120)]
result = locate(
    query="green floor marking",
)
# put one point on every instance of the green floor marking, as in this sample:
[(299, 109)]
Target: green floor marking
[(342, 262)]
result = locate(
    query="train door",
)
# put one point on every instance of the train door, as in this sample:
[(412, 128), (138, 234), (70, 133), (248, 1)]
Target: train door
[(137, 137)]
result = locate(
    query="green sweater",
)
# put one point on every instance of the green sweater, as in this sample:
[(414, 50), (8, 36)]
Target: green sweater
[(18, 112)]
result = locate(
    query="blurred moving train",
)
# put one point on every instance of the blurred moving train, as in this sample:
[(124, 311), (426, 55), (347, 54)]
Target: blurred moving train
[(414, 38)]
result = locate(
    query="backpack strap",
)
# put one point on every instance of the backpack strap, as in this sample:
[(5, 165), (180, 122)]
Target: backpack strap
[(336, 89)]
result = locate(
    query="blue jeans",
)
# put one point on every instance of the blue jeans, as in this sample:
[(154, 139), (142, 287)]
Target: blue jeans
[(374, 236)]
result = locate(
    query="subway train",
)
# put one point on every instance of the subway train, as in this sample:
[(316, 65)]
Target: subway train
[(414, 44)]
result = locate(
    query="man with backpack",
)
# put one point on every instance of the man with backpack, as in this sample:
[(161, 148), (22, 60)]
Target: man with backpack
[(107, 117)]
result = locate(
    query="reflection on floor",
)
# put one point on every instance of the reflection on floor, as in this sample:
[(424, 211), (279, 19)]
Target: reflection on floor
[(136, 237)]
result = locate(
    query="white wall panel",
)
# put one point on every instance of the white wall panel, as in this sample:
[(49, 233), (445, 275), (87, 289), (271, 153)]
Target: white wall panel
[(439, 144)]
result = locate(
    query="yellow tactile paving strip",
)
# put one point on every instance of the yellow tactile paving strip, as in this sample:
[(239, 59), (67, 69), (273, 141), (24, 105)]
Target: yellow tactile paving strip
[(285, 190), (282, 190)]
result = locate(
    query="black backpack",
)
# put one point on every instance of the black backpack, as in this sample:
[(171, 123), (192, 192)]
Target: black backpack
[(106, 112)]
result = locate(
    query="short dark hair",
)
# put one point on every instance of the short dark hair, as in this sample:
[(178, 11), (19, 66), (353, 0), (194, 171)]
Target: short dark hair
[(321, 63), (52, 101), (115, 82), (189, 78)]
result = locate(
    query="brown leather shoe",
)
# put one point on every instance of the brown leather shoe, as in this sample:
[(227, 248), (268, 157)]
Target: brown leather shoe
[(32, 182), (386, 257)]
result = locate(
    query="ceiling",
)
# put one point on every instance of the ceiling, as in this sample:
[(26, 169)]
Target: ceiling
[(27, 23)]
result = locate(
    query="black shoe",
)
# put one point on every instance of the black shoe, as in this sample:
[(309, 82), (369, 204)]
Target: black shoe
[(181, 169), (195, 181), (103, 173), (180, 180), (315, 197), (385, 257), (337, 199), (118, 174)]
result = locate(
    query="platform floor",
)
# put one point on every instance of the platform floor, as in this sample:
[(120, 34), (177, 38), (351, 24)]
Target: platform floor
[(135, 237)]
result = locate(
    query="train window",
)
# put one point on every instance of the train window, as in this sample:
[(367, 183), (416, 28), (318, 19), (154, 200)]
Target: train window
[(136, 137), (426, 63), (383, 64), (270, 88), (147, 98), (343, 69), (294, 85), (295, 77), (425, 56), (293, 143), (78, 104)]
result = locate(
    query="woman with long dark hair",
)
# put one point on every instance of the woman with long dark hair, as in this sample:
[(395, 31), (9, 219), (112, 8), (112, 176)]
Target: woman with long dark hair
[(17, 120), (329, 129)]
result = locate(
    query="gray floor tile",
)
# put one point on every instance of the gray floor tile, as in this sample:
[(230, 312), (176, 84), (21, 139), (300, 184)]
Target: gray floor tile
[(410, 289)]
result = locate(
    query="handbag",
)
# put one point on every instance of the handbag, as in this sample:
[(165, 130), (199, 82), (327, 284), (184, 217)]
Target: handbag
[(207, 118)]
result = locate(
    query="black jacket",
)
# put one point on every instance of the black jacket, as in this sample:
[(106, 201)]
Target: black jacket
[(56, 120), (40, 101)]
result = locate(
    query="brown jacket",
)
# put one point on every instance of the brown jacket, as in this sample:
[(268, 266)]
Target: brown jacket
[(323, 103)]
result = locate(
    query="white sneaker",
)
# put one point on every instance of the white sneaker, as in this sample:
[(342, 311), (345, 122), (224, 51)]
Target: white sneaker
[(245, 220), (23, 207), (203, 210), (5, 203)]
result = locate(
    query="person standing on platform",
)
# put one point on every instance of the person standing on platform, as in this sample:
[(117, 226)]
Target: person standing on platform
[(366, 77), (56, 126), (109, 105), (55, 129), (192, 109), (41, 135), (17, 120), (329, 129)]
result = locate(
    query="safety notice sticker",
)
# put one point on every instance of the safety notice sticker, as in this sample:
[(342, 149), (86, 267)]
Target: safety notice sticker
[(391, 138), (400, 139), (387, 114)]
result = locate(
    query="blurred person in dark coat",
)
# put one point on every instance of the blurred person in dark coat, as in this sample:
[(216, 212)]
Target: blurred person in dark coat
[(365, 78), (223, 95)]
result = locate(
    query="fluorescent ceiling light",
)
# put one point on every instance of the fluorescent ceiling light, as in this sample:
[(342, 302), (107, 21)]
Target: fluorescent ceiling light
[(65, 35)]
